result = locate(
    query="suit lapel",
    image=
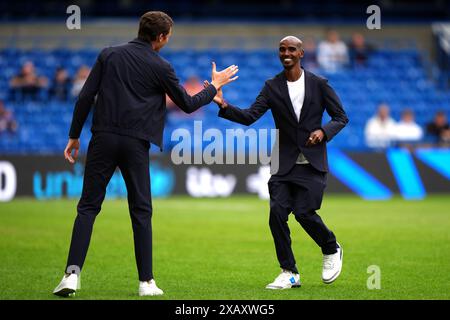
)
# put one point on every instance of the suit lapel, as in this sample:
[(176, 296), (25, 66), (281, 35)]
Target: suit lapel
[(282, 83), (308, 93)]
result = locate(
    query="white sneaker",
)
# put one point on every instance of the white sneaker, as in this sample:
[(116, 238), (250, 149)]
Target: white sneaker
[(149, 288), (332, 265), (286, 280), (68, 285)]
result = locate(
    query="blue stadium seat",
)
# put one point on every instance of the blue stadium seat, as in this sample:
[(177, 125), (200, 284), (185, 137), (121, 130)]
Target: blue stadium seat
[(391, 76)]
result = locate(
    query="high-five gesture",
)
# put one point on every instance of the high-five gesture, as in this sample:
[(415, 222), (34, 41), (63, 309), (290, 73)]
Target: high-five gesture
[(221, 78)]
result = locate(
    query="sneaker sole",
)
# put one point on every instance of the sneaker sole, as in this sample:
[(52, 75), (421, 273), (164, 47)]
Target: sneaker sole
[(333, 278), (150, 295), (277, 288), (64, 292)]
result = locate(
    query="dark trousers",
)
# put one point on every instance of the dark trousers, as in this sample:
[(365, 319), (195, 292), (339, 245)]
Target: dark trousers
[(106, 152), (300, 191)]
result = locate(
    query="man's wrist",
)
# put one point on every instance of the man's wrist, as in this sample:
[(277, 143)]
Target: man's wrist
[(214, 83), (223, 104)]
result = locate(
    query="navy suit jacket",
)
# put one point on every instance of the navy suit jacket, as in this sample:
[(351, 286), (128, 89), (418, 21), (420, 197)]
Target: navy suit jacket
[(293, 133), (131, 82)]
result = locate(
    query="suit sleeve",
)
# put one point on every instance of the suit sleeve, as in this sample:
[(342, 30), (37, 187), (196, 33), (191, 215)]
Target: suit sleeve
[(249, 115), (176, 92), (335, 110), (86, 98)]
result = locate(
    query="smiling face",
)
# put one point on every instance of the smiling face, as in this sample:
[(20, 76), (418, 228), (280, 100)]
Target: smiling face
[(290, 52)]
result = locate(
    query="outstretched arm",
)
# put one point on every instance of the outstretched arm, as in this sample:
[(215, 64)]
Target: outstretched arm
[(182, 99), (242, 116)]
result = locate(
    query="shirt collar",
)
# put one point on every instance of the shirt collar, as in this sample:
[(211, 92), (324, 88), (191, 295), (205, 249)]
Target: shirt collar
[(141, 42)]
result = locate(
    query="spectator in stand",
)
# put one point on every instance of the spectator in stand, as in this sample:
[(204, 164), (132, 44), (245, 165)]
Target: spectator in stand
[(439, 130), (380, 129), (79, 80), (60, 86), (332, 54), (407, 129), (359, 50), (7, 122), (309, 61), (27, 83), (192, 85)]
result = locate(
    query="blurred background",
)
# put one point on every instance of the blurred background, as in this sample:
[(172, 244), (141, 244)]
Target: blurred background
[(394, 83)]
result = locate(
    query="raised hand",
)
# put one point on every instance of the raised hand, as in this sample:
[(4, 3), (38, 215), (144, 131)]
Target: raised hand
[(221, 78)]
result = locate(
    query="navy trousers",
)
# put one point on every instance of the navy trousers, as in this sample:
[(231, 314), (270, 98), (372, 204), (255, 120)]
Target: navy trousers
[(106, 152), (300, 192)]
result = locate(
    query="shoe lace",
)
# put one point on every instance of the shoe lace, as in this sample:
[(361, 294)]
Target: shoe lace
[(328, 262)]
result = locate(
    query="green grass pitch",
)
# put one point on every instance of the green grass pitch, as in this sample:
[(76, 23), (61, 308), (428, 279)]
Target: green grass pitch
[(222, 249)]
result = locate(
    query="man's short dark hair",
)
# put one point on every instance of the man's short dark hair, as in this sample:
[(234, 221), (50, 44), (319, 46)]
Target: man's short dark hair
[(152, 24)]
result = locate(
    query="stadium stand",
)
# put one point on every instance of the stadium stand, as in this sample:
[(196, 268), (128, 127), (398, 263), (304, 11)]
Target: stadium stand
[(396, 77)]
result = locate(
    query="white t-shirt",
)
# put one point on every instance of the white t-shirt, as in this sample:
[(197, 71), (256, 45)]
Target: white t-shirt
[(379, 134), (297, 94), (408, 131), (332, 56)]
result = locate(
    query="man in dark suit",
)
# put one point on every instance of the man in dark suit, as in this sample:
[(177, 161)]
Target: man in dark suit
[(130, 82), (297, 99)]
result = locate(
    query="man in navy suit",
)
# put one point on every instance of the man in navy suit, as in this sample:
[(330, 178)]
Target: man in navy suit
[(297, 99), (130, 82)]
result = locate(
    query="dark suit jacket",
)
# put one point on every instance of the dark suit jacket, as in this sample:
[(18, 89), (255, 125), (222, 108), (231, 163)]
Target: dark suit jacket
[(293, 134), (131, 82)]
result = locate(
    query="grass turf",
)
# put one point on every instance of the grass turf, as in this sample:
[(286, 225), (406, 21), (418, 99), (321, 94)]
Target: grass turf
[(222, 249)]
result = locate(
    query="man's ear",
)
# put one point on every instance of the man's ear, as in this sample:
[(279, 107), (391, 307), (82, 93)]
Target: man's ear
[(161, 37)]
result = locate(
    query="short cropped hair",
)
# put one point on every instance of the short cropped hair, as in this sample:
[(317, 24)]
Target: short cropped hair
[(152, 24)]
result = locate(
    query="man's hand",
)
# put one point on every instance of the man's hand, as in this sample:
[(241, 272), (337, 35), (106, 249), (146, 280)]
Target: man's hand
[(218, 99), (221, 78), (315, 137), (72, 145)]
